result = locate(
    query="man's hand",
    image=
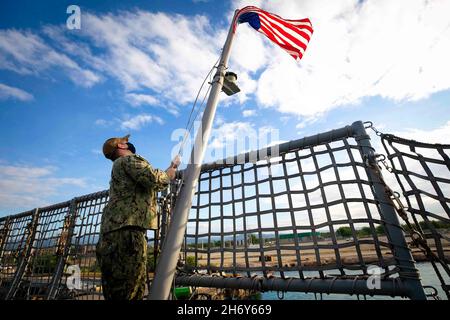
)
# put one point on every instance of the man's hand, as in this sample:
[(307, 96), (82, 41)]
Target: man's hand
[(171, 171), (176, 161)]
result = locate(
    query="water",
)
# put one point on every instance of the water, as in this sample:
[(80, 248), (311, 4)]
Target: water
[(428, 278)]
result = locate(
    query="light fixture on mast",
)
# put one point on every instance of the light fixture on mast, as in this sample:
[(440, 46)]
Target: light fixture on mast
[(229, 84)]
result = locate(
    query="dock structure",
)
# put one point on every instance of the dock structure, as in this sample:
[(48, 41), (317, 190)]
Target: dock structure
[(311, 215)]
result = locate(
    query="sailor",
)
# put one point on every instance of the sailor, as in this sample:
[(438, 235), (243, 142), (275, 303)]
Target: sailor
[(130, 212)]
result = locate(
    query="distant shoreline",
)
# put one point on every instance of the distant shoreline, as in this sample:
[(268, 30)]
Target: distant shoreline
[(327, 257)]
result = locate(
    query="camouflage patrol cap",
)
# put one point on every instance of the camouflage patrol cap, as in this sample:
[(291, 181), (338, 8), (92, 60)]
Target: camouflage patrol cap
[(111, 144)]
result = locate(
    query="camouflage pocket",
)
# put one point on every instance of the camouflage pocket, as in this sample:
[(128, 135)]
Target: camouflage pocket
[(136, 241), (105, 246)]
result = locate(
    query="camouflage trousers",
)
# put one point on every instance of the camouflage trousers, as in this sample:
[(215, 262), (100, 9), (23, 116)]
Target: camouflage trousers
[(122, 255)]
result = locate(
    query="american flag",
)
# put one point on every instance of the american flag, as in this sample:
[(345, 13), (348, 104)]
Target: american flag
[(291, 35)]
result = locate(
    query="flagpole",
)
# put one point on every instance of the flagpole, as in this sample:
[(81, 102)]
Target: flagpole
[(166, 267)]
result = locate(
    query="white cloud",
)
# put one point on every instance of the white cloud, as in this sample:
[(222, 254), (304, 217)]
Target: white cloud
[(26, 53), (7, 92), (129, 122), (233, 138), (137, 122), (97, 152), (140, 99), (103, 122), (306, 122), (229, 132), (20, 172), (168, 54), (438, 135), (246, 84), (142, 50), (248, 113), (396, 50), (31, 186), (245, 58), (136, 99), (393, 49)]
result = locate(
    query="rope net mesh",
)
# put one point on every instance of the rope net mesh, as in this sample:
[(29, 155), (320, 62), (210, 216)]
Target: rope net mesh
[(423, 173), (14, 236), (308, 212), (45, 251), (35, 260), (86, 234)]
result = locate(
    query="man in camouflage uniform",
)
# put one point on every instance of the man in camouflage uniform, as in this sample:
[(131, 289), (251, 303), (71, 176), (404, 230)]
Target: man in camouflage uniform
[(131, 210)]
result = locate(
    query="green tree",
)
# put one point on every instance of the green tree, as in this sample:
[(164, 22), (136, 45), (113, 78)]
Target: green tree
[(344, 232), (190, 261), (150, 260), (95, 267), (405, 227), (253, 239), (365, 231), (380, 230), (436, 224), (325, 235), (45, 263)]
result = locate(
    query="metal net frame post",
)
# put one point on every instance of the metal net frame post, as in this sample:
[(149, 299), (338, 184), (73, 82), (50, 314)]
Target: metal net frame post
[(63, 250), (402, 254)]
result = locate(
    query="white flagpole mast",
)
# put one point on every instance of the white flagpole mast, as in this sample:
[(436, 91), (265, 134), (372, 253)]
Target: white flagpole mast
[(166, 267)]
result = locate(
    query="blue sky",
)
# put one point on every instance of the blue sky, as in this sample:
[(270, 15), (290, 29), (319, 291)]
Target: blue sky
[(135, 66)]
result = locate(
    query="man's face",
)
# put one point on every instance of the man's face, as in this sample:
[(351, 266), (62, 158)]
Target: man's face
[(124, 148)]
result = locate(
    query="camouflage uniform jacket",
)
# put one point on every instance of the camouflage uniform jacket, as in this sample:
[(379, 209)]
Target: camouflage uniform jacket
[(132, 194)]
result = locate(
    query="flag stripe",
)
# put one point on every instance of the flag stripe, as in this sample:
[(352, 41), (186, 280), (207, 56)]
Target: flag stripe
[(294, 53), (287, 44), (304, 23), (286, 35), (291, 35), (294, 29), (270, 32)]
